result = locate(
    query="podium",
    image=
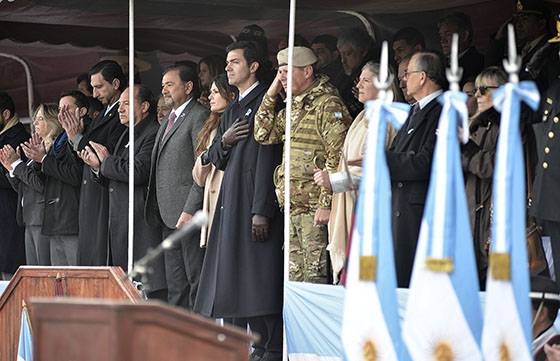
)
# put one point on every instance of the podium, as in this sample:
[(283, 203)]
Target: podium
[(35, 281), (88, 330)]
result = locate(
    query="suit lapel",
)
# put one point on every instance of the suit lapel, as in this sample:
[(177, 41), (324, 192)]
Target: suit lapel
[(412, 126), (182, 118), (105, 118)]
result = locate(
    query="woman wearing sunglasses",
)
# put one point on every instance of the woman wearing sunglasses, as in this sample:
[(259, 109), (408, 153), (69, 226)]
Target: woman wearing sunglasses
[(478, 162)]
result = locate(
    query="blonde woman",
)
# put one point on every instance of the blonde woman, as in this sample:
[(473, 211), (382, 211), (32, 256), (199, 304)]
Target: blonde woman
[(26, 178), (344, 190)]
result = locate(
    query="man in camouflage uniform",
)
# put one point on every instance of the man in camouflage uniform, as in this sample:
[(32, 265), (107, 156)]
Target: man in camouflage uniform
[(319, 124)]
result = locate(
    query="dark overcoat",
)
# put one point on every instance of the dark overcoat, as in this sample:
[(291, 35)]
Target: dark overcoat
[(242, 277), (12, 248), (29, 182), (114, 171), (63, 176), (410, 161), (94, 197)]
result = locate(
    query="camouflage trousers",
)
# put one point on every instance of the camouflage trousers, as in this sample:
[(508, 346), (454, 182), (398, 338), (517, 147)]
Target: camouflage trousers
[(308, 249)]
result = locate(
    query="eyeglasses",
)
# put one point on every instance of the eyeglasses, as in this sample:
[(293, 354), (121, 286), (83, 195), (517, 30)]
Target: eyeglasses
[(471, 93), (407, 73), (484, 89)]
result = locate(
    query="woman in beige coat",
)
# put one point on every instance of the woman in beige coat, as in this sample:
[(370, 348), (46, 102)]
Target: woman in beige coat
[(344, 183), (204, 173)]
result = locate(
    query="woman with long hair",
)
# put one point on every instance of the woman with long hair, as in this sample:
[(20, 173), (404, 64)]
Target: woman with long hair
[(344, 191), (204, 173), (208, 69), (26, 178), (478, 162)]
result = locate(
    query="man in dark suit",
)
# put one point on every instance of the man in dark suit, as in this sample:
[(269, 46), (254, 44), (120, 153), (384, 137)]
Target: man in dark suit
[(108, 81), (113, 171), (470, 60), (62, 170), (173, 197), (410, 157), (12, 251)]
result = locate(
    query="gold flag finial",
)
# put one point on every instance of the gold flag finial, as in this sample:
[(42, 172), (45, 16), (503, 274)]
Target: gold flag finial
[(370, 351), (443, 352), (504, 352)]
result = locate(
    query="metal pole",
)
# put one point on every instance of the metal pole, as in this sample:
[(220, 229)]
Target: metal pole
[(130, 135), (287, 160)]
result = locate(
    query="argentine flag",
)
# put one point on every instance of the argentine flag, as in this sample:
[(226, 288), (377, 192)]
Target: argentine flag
[(443, 319), (370, 328), (25, 347), (507, 319)]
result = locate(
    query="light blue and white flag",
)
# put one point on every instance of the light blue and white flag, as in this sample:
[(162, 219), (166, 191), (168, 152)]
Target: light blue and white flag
[(507, 319), (443, 319), (371, 326), (25, 347)]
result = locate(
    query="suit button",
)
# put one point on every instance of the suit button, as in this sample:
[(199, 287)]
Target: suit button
[(555, 119), (546, 111), (111, 190), (397, 214), (546, 150), (551, 135), (85, 181), (545, 165), (399, 185)]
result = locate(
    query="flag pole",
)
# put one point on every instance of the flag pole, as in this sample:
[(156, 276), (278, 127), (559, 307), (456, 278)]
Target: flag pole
[(130, 135), (287, 160)]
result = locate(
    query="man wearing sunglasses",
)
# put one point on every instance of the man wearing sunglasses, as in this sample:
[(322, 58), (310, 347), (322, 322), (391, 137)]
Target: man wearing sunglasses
[(410, 156)]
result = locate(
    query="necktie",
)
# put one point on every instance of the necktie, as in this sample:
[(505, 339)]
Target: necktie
[(170, 122), (415, 109)]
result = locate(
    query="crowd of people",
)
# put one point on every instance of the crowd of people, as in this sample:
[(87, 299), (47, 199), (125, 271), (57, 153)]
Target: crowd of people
[(214, 141)]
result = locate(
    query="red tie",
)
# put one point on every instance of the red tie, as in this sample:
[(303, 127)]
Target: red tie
[(170, 122)]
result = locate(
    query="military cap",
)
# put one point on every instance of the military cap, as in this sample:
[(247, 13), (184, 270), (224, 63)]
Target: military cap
[(303, 56), (544, 289), (536, 7)]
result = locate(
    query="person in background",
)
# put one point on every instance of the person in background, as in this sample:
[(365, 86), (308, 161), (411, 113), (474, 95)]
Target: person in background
[(469, 88), (112, 169), (344, 191), (478, 157), (470, 60), (164, 107), (12, 244), (205, 174), (83, 83), (355, 47), (27, 179), (328, 59), (208, 69), (95, 108), (406, 42), (403, 65)]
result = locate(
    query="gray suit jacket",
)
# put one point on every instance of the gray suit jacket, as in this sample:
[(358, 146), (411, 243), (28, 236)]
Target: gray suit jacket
[(171, 189)]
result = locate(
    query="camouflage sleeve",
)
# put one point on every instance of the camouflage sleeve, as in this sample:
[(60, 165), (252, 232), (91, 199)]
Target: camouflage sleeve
[(269, 125), (333, 123)]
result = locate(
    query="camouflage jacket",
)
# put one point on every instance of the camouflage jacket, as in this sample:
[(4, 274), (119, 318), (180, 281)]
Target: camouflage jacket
[(319, 124)]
